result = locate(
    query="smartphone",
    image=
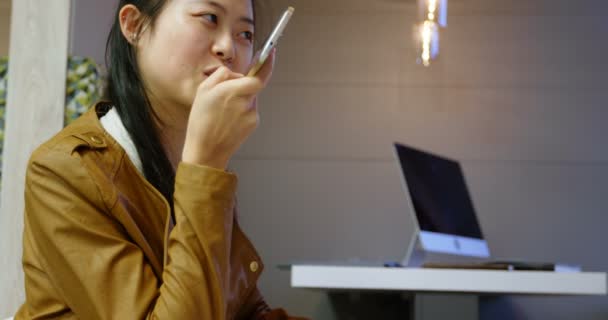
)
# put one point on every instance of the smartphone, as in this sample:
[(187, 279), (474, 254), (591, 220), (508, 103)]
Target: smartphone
[(271, 42)]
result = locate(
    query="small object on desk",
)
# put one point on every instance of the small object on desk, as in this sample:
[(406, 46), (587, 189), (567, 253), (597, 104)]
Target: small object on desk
[(507, 265), (393, 264), (483, 265), (541, 266)]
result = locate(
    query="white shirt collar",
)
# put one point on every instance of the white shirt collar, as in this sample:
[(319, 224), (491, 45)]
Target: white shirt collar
[(112, 123)]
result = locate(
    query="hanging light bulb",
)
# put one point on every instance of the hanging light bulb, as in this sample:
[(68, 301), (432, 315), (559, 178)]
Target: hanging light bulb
[(429, 39), (433, 14), (433, 10)]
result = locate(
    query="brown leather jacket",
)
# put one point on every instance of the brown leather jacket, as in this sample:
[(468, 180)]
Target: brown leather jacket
[(99, 242)]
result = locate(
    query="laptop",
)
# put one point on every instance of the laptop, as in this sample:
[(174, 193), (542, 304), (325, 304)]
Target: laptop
[(446, 225), (439, 199)]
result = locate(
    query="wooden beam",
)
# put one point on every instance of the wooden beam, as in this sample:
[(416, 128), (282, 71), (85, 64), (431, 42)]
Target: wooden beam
[(35, 109)]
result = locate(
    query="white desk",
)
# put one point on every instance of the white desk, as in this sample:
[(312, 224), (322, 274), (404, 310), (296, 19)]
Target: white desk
[(426, 283), (448, 280)]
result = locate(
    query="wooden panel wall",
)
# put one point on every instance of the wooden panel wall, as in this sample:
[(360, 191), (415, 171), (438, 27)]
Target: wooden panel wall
[(36, 100), (5, 18)]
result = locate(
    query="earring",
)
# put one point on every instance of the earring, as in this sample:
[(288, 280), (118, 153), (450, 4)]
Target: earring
[(134, 37)]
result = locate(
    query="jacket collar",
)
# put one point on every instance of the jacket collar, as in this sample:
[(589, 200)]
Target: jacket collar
[(113, 125)]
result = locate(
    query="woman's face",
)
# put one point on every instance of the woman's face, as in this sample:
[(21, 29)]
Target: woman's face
[(188, 41)]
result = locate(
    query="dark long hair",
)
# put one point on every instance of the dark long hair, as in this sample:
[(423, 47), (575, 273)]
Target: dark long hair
[(125, 90)]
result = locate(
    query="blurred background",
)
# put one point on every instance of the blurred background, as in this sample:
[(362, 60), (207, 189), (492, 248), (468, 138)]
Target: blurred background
[(517, 94)]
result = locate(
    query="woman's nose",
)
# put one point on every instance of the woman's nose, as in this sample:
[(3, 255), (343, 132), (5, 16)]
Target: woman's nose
[(223, 48)]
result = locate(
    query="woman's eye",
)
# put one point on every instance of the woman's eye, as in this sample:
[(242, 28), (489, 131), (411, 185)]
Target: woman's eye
[(247, 35), (210, 17)]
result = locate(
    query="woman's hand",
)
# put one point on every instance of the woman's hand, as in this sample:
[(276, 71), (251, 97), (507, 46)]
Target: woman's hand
[(223, 115)]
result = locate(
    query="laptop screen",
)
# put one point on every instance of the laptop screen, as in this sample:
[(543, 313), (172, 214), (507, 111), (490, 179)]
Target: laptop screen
[(439, 193)]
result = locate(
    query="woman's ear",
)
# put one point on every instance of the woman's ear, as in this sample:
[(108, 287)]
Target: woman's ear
[(131, 20)]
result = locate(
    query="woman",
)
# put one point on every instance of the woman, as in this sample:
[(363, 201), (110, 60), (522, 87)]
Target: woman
[(129, 211)]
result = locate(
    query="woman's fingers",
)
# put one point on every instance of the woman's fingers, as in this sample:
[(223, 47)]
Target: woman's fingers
[(250, 86), (242, 87), (220, 75)]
